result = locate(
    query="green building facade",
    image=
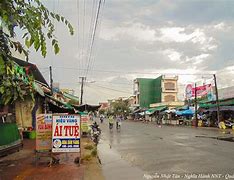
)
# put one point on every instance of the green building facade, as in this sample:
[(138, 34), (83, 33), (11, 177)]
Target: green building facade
[(150, 91)]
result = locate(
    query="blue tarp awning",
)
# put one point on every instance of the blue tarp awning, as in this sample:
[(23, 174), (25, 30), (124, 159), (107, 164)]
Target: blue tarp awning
[(186, 112)]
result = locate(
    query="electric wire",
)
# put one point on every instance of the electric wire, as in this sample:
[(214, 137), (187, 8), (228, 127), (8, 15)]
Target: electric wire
[(138, 72), (78, 36), (112, 89), (96, 51), (93, 37)]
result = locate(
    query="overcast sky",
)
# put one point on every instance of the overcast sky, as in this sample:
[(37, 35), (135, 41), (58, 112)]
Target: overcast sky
[(141, 38)]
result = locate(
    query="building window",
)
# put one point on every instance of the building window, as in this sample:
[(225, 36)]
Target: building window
[(169, 86), (169, 98)]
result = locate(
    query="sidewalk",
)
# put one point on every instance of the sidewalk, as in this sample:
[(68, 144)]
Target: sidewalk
[(21, 165)]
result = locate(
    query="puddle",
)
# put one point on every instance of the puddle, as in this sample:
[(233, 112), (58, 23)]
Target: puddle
[(229, 139), (114, 166)]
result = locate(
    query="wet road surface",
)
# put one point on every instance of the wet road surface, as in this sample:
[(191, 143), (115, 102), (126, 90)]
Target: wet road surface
[(168, 150)]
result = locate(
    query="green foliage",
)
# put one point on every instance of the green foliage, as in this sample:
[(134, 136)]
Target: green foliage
[(102, 111), (11, 87), (120, 107), (35, 20), (89, 147), (36, 23), (94, 152)]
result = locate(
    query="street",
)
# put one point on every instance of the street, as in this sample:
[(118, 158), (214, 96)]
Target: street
[(169, 149)]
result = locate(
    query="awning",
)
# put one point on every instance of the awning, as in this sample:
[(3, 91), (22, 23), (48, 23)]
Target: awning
[(182, 108), (221, 103), (70, 96), (153, 110), (66, 105), (86, 107), (187, 112), (222, 108), (38, 89), (138, 110), (59, 109)]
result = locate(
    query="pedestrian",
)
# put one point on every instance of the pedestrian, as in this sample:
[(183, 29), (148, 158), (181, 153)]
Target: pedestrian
[(111, 121), (118, 122)]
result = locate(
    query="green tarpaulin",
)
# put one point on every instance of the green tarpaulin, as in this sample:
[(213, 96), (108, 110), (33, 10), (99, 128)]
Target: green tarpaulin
[(221, 103), (159, 108), (66, 105), (9, 133)]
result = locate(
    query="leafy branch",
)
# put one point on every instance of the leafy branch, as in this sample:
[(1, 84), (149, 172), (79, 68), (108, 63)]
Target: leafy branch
[(35, 20)]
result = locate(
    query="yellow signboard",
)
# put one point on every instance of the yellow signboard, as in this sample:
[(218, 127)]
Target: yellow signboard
[(43, 132)]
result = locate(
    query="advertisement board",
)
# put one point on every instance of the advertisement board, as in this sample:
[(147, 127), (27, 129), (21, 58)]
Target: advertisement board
[(201, 90), (84, 123), (43, 132), (66, 133)]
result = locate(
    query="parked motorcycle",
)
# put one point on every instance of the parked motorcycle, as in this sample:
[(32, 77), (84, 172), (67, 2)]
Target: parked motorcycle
[(229, 123), (95, 133)]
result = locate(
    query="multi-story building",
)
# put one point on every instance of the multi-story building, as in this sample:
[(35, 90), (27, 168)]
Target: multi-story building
[(162, 90)]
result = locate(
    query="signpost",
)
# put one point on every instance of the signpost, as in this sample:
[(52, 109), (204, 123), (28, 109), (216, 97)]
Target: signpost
[(43, 136), (43, 132), (66, 133), (84, 124)]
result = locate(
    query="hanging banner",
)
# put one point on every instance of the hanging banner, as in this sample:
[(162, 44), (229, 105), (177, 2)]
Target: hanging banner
[(201, 90), (43, 132), (66, 133), (84, 123)]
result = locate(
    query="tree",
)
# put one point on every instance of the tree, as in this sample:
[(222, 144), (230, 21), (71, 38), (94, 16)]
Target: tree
[(36, 23), (120, 107)]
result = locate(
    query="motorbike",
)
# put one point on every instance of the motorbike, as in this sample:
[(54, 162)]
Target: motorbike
[(111, 126), (118, 125), (228, 123), (95, 133), (101, 119)]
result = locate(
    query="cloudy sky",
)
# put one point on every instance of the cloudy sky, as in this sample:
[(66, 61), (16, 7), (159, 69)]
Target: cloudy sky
[(141, 38)]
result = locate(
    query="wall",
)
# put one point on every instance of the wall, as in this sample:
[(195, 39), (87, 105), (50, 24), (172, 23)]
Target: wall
[(158, 90), (169, 92), (146, 91), (23, 112)]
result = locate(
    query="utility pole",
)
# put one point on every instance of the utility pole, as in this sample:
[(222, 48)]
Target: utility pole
[(195, 103), (217, 99), (82, 89), (51, 80)]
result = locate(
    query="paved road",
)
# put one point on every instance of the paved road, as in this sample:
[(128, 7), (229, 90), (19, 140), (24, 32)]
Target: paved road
[(167, 150)]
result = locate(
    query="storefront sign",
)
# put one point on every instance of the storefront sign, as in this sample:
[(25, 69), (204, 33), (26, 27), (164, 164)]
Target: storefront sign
[(84, 123), (66, 133), (43, 132), (17, 71)]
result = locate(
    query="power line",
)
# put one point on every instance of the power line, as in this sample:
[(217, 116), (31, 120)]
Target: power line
[(93, 37), (78, 36), (137, 72), (98, 91), (112, 89), (98, 32)]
